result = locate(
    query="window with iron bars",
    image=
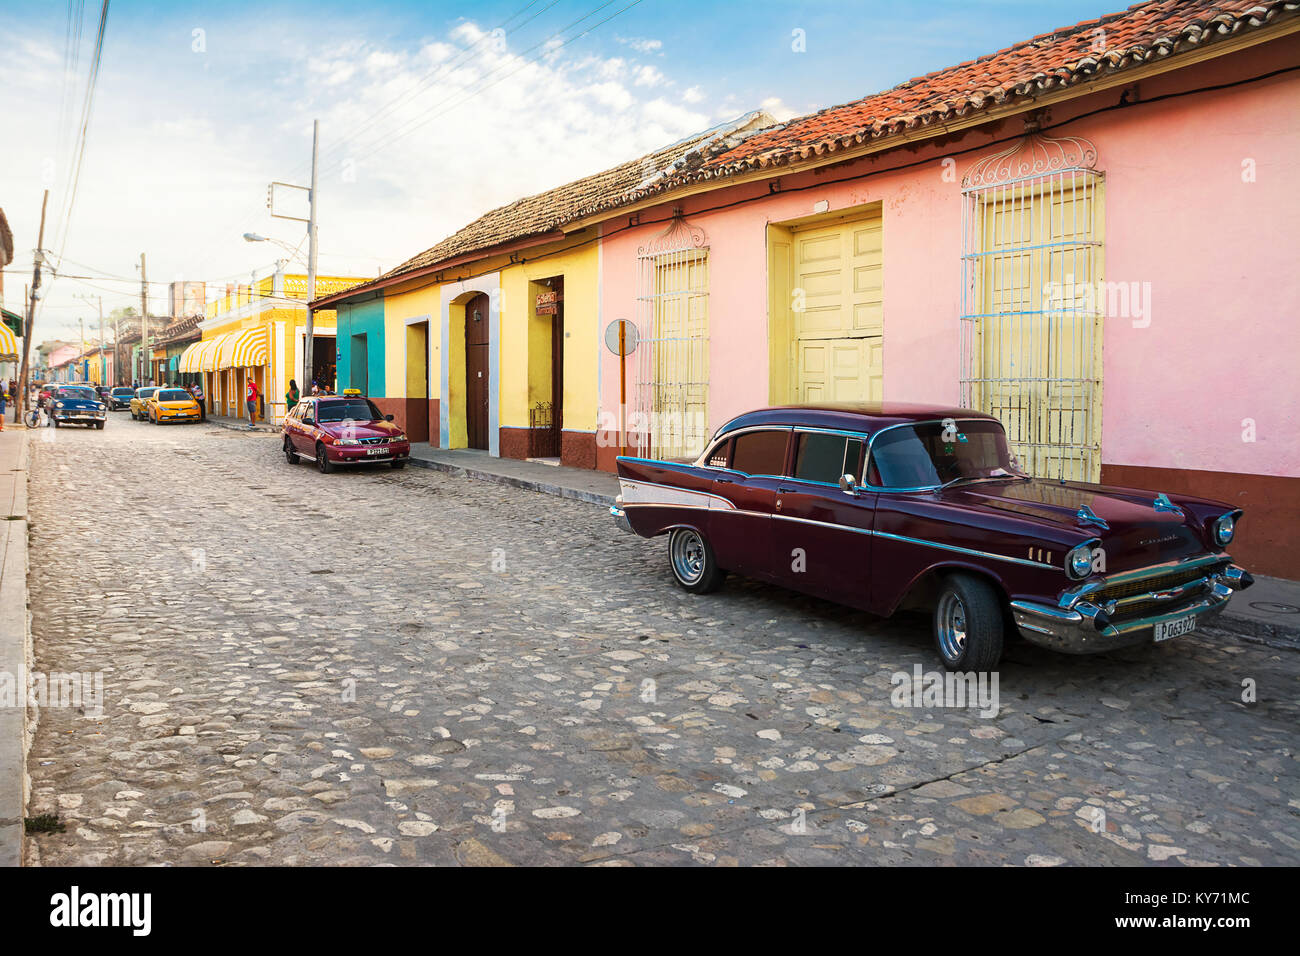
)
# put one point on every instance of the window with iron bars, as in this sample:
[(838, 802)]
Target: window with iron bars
[(1031, 324)]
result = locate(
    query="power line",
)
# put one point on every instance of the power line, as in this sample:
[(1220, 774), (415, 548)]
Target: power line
[(86, 112)]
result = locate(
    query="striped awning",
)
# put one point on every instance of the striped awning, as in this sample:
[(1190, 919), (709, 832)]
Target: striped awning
[(210, 354), (8, 344), (190, 357), (246, 348)]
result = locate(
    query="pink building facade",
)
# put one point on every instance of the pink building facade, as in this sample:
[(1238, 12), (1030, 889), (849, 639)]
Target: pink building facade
[(1185, 179)]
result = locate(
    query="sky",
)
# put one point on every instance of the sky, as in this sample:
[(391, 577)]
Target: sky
[(431, 113)]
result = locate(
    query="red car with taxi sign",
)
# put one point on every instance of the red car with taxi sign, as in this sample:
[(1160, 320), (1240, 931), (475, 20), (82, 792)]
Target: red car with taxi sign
[(347, 429)]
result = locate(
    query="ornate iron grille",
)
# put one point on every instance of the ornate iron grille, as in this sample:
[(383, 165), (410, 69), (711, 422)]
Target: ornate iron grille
[(671, 385), (1032, 301)]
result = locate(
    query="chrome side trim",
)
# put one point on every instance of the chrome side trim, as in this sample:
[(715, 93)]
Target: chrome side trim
[(825, 524), (969, 551)]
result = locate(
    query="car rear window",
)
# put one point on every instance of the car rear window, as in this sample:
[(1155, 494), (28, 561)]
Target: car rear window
[(760, 453), (822, 457)]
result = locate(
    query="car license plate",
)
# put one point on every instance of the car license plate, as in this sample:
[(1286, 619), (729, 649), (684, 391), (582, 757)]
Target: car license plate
[(1176, 628), (376, 451)]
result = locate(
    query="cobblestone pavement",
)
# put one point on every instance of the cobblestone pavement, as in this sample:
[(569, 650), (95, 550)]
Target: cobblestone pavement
[(405, 667)]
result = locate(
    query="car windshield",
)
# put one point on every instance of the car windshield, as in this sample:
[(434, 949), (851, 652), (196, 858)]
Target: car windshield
[(144, 392), (936, 453), (354, 409), (173, 395), (121, 391), (83, 394)]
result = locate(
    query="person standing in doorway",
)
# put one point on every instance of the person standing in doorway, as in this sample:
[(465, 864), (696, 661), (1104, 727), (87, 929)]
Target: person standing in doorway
[(203, 405), (252, 397)]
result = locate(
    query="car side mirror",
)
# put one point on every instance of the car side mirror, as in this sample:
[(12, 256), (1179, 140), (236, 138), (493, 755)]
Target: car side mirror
[(848, 485), (388, 418), (308, 420)]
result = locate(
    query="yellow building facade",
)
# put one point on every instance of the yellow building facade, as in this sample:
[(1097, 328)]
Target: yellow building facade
[(498, 354), (258, 333)]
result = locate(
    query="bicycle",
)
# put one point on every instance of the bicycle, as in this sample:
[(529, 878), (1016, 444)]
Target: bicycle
[(33, 418)]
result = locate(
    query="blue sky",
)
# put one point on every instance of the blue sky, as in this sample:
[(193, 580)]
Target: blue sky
[(428, 119)]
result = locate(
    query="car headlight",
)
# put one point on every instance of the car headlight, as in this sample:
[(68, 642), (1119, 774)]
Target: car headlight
[(346, 441), (1224, 528), (400, 436), (58, 404), (1078, 561)]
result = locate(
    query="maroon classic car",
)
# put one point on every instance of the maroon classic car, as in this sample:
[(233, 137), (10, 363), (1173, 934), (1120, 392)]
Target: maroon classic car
[(885, 506), (343, 429)]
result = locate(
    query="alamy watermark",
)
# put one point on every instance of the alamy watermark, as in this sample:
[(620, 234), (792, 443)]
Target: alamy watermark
[(946, 689), (83, 690)]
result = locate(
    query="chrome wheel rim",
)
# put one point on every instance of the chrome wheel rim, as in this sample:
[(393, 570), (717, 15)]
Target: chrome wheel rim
[(321, 459), (950, 619), (687, 551)]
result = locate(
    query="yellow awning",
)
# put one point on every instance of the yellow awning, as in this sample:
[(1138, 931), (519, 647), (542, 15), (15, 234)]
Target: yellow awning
[(8, 345), (211, 349), (190, 357), (249, 348)]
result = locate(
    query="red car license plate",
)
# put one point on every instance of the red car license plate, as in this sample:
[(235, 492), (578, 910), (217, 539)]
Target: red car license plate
[(376, 451)]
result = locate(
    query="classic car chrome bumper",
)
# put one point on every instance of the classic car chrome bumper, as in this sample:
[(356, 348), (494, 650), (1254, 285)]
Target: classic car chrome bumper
[(619, 516), (1081, 626)]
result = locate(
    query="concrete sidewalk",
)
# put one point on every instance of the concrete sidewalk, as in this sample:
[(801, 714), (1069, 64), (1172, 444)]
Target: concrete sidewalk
[(15, 640), (1267, 612), (597, 487)]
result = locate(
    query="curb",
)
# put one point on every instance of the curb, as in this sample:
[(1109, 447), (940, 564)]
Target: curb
[(528, 484), (15, 641)]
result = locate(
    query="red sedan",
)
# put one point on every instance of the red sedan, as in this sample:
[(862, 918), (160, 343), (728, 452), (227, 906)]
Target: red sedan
[(335, 430)]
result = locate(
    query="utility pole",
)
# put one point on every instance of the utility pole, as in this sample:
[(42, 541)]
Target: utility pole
[(31, 311), (81, 358), (146, 360), (308, 371), (103, 358)]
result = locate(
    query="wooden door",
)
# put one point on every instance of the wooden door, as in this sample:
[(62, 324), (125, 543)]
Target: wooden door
[(477, 379), (839, 330), (557, 372)]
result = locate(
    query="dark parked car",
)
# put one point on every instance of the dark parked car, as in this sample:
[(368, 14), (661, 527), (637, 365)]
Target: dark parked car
[(76, 404), (886, 506), (343, 430), (120, 398)]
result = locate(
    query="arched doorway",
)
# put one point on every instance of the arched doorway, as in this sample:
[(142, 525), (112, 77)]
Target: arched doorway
[(478, 381)]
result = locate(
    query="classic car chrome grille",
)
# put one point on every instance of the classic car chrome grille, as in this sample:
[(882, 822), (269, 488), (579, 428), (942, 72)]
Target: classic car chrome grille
[(1157, 582), (1143, 586)]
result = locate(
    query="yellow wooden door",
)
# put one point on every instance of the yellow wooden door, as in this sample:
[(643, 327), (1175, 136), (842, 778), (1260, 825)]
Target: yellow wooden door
[(838, 319)]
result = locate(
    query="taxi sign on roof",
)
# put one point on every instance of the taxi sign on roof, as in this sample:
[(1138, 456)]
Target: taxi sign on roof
[(351, 391)]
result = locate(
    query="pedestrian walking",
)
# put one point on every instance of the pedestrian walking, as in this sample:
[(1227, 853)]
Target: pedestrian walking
[(4, 406), (291, 396), (252, 397), (197, 391)]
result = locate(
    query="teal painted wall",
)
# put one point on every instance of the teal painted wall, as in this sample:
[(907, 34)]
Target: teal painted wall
[(365, 318)]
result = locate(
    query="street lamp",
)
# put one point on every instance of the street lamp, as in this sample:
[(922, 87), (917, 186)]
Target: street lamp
[(255, 237)]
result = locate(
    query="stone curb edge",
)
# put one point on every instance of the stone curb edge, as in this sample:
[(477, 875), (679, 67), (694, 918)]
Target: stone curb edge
[(528, 484)]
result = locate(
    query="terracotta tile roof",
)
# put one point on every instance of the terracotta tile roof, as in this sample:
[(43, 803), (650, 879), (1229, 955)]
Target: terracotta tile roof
[(547, 211), (1107, 45), (1143, 33)]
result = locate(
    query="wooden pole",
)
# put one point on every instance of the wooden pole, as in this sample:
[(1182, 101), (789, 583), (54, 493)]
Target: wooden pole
[(21, 400), (622, 387)]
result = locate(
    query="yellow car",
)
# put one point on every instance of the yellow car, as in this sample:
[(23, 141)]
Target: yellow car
[(138, 402), (171, 405)]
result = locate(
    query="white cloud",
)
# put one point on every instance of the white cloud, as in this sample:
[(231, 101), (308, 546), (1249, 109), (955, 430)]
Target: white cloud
[(775, 106), (416, 141), (648, 76), (642, 44)]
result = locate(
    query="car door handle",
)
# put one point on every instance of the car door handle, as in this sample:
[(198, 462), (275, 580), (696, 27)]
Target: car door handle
[(785, 491), (723, 481)]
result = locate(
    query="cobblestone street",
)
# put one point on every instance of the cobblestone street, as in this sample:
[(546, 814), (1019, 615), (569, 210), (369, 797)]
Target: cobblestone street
[(406, 667)]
